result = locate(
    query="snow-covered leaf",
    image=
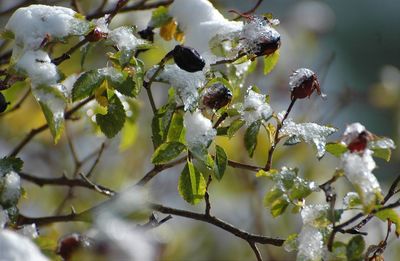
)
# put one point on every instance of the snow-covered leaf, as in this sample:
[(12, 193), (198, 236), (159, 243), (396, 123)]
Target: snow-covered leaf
[(191, 185), (255, 107), (199, 130), (124, 38), (308, 132), (382, 148), (351, 200), (167, 152), (10, 189), (112, 122), (52, 100)]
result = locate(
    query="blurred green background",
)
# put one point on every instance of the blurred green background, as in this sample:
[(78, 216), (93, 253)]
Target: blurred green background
[(354, 46)]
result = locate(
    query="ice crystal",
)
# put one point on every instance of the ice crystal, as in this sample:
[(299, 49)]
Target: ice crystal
[(255, 107), (308, 132), (199, 130)]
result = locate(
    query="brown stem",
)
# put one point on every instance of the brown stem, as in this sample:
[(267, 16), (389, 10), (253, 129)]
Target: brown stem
[(276, 138)]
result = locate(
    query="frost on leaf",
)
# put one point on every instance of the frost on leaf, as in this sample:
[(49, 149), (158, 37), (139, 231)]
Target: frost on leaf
[(307, 132), (124, 38), (199, 130), (255, 107), (186, 84), (17, 247), (32, 24), (358, 170)]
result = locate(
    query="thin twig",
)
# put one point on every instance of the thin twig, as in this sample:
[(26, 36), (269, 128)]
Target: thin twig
[(106, 192), (207, 197), (100, 152), (277, 139), (255, 250)]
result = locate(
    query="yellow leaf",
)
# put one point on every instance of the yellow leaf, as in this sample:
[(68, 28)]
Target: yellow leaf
[(168, 30)]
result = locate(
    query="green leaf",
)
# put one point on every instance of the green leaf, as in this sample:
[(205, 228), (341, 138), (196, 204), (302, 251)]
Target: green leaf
[(112, 122), (176, 130), (234, 127), (161, 123), (392, 215), (275, 201), (221, 161), (159, 17), (8, 164), (382, 153), (201, 153), (191, 185), (222, 131), (355, 248), (167, 152), (290, 243), (267, 174), (339, 251), (53, 103), (336, 148), (86, 84), (278, 207), (250, 137), (123, 82), (270, 61)]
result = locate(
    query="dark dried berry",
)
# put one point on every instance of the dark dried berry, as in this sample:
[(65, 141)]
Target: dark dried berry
[(96, 35), (147, 34), (303, 82), (188, 59), (360, 143), (3, 103), (69, 244), (217, 96), (269, 46)]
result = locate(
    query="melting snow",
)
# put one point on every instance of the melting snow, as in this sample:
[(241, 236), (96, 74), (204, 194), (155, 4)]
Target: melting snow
[(299, 76), (11, 188), (124, 38), (311, 245), (358, 169)]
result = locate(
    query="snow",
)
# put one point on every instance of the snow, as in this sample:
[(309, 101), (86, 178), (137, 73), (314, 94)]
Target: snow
[(11, 188), (310, 213), (34, 23), (37, 65), (29, 231), (202, 25), (299, 76), (311, 245), (308, 132), (288, 175), (16, 247), (55, 103), (358, 170), (101, 24), (123, 38), (352, 132), (185, 83), (3, 218), (256, 31), (255, 107), (199, 129)]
